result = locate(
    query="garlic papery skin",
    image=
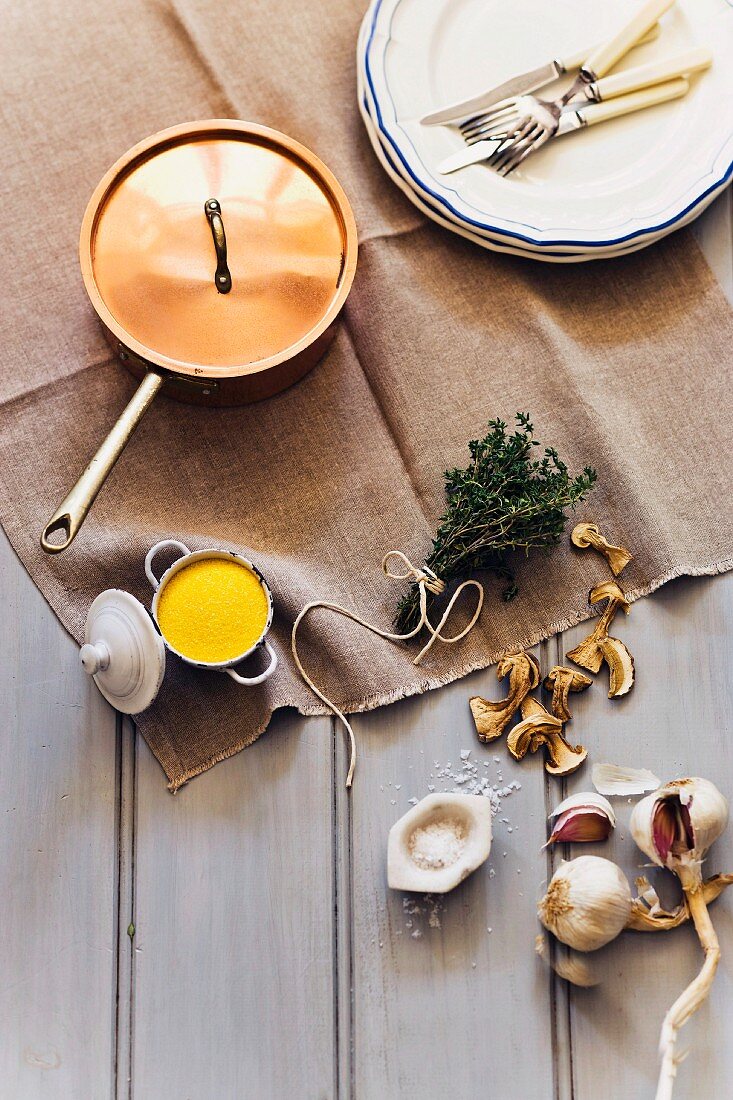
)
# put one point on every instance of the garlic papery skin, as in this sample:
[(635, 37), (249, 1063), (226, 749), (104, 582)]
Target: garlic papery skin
[(676, 825), (582, 818), (587, 904)]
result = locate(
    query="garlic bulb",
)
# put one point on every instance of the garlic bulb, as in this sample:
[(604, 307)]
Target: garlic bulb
[(587, 904), (676, 825), (582, 817)]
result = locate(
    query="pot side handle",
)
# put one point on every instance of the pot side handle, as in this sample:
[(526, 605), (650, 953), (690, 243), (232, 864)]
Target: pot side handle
[(249, 681), (69, 516)]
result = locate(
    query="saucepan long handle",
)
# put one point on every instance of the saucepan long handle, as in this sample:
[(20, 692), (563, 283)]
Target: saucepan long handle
[(69, 516)]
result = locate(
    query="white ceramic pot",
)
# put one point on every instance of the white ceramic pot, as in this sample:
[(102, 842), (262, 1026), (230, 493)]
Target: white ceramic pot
[(187, 558)]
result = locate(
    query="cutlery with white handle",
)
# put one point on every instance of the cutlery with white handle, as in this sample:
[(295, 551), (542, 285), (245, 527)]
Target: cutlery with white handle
[(608, 87), (601, 60), (519, 85), (506, 158)]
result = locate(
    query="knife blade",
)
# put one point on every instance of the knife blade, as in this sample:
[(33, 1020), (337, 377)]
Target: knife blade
[(520, 85), (472, 154)]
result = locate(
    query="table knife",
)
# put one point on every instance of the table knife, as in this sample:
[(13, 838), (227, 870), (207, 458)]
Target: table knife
[(519, 85)]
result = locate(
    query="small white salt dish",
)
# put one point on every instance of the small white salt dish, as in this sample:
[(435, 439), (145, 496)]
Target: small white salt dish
[(439, 842)]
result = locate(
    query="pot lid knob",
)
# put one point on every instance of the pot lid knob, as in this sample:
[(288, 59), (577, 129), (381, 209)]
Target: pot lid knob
[(123, 651)]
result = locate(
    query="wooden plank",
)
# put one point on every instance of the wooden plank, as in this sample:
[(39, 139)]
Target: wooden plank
[(454, 1009), (676, 721), (714, 233), (233, 948), (58, 857)]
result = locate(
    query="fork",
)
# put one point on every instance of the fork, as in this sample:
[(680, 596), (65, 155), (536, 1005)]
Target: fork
[(506, 158), (531, 111), (600, 61)]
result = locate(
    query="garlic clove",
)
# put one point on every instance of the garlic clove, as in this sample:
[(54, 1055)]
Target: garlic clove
[(439, 842), (620, 666), (582, 818), (585, 798), (612, 779), (572, 966), (587, 904), (580, 826)]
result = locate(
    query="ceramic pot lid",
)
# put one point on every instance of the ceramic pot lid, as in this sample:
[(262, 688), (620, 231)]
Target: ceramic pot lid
[(123, 651), (215, 246)]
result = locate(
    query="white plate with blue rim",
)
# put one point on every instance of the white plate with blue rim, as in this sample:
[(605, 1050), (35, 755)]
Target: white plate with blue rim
[(485, 241), (425, 203), (601, 192)]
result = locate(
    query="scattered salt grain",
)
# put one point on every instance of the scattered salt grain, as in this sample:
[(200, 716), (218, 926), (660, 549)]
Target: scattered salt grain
[(412, 801)]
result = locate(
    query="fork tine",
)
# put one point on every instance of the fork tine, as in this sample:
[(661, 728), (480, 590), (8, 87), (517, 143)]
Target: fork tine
[(502, 105), (500, 129), (495, 126), (525, 139), (520, 153), (487, 117)]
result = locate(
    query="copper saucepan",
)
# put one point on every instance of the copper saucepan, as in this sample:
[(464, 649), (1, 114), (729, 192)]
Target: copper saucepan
[(218, 256)]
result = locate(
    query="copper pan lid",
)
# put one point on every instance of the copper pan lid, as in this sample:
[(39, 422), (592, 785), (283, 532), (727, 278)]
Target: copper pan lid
[(218, 248)]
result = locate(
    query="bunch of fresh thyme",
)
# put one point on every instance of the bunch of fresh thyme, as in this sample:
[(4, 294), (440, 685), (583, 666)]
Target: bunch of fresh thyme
[(505, 500)]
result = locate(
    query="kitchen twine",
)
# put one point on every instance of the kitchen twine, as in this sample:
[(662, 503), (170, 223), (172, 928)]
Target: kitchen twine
[(427, 581)]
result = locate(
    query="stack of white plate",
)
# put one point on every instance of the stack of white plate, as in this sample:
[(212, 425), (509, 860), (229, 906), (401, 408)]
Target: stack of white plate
[(601, 192)]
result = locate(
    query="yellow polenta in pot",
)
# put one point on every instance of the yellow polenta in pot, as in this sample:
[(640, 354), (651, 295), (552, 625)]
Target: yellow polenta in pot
[(213, 608)]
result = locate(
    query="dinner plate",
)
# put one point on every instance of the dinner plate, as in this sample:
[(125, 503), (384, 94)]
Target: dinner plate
[(484, 238), (546, 255), (615, 188), (568, 254)]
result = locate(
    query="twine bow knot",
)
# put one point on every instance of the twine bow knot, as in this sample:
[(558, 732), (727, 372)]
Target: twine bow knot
[(427, 581), (419, 575)]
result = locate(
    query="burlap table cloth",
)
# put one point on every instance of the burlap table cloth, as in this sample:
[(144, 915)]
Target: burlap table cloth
[(624, 365)]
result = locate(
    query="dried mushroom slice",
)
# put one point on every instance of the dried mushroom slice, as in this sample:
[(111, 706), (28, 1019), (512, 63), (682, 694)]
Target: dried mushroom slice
[(529, 734), (588, 534), (564, 759), (620, 666), (599, 647), (561, 680), (588, 654), (492, 718), (539, 728)]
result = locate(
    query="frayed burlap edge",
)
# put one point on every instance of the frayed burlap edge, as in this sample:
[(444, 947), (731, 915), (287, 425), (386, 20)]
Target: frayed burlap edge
[(430, 683)]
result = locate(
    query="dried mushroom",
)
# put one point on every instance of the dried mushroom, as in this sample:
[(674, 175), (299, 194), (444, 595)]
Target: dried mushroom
[(561, 680), (540, 728), (493, 718), (620, 666), (588, 534), (599, 647)]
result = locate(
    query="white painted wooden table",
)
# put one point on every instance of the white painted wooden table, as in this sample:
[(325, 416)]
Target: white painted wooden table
[(239, 940)]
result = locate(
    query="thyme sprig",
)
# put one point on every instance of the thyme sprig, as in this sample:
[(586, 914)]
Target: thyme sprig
[(504, 500)]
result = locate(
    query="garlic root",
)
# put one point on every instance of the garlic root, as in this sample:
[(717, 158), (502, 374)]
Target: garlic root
[(588, 534)]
